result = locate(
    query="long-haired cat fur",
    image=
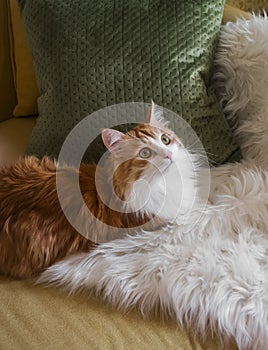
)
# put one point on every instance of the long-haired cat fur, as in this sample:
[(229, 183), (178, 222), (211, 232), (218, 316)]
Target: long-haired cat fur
[(34, 232)]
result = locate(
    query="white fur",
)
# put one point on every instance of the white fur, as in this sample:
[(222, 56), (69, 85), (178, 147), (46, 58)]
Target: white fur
[(241, 79), (213, 277), (167, 190)]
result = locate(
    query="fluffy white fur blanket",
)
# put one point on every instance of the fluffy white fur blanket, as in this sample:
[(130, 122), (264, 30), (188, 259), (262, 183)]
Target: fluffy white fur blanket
[(215, 277)]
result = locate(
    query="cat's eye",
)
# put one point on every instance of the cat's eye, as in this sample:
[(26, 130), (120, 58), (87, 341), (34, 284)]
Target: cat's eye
[(145, 153), (165, 139)]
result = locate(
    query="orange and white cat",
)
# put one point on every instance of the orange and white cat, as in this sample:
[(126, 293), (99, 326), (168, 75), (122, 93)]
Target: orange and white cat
[(34, 231)]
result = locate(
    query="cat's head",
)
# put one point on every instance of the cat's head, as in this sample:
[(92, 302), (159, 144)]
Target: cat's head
[(149, 146), (152, 168)]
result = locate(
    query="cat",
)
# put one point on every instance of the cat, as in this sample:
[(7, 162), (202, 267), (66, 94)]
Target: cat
[(35, 232)]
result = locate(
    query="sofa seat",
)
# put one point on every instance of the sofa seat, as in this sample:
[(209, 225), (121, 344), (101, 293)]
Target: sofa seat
[(34, 318)]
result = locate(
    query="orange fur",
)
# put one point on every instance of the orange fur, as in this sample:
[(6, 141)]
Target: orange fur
[(34, 232)]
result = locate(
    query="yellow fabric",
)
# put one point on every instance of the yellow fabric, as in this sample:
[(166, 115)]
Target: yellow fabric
[(23, 71), (232, 13), (14, 136), (249, 5), (37, 318), (7, 89)]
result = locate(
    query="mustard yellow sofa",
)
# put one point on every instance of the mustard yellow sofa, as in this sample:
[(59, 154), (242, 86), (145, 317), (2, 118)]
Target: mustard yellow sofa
[(33, 317)]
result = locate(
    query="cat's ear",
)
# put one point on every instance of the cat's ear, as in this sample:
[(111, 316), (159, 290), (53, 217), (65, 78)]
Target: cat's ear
[(155, 114), (149, 114), (110, 137)]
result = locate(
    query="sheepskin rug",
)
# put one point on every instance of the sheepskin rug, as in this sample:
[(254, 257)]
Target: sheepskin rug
[(213, 277)]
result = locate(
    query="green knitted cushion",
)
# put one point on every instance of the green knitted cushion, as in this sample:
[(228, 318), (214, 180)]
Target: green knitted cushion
[(91, 54)]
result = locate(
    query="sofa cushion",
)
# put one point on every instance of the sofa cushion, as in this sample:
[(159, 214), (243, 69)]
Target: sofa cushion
[(14, 136), (23, 71), (91, 54), (249, 5), (36, 318), (7, 88)]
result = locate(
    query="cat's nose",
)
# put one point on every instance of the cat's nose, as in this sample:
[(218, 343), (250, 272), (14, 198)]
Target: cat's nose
[(168, 155)]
